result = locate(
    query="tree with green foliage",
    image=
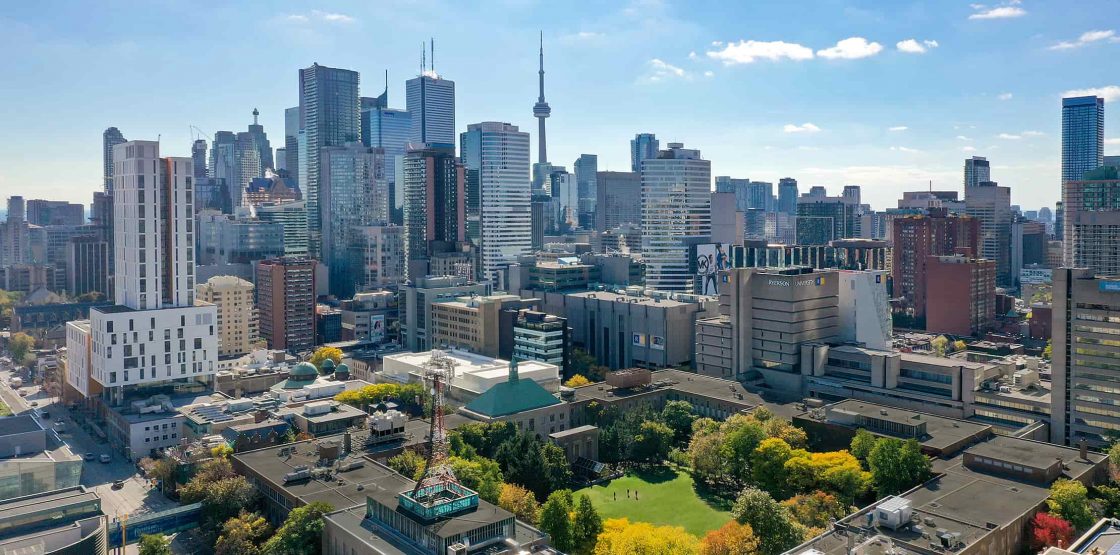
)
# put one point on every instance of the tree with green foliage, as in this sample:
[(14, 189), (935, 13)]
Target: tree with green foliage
[(1048, 352), (836, 472), (706, 457), (897, 465), (222, 451), (20, 345), (221, 500), (480, 474), (409, 463), (154, 544), (939, 346), (768, 466), (519, 501), (243, 534), (1069, 500), (165, 470), (1109, 499), (814, 510), (653, 442), (556, 521), (771, 521), (587, 524), (483, 439), (583, 363), (301, 533), (678, 416), (8, 300), (539, 466), (862, 444)]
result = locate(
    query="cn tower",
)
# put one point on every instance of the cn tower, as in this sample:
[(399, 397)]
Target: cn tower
[(541, 111)]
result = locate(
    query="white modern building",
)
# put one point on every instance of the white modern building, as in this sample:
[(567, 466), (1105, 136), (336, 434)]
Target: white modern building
[(154, 341), (474, 373), (430, 100), (496, 158), (865, 308), (676, 206)]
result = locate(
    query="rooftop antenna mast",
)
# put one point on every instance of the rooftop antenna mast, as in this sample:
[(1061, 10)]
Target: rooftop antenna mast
[(438, 371), (423, 59)]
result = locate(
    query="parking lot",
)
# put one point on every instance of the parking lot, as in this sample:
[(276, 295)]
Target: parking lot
[(136, 497)]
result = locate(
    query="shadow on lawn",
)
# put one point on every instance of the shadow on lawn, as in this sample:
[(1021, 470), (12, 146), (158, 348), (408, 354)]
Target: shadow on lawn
[(716, 498), (655, 474)]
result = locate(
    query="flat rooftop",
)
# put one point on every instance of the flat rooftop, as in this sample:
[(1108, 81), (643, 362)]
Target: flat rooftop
[(43, 502), (475, 364), (941, 432), (1104, 536), (177, 402), (679, 380), (616, 297), (571, 431), (21, 424), (1035, 454), (339, 411)]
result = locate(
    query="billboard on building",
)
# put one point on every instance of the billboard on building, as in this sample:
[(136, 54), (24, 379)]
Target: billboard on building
[(707, 261), (657, 342), (377, 328)]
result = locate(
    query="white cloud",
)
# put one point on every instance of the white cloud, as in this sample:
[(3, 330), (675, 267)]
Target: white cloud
[(296, 18), (750, 51), (1033, 133), (1110, 93), (1010, 137), (709, 73), (968, 149), (1004, 11), (803, 128), (912, 46), (1004, 96), (1112, 141), (898, 128), (963, 138), (904, 149), (661, 70), (851, 49), (317, 15), (1086, 38)]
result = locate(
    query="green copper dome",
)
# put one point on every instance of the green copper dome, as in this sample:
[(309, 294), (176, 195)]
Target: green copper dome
[(342, 369), (303, 371)]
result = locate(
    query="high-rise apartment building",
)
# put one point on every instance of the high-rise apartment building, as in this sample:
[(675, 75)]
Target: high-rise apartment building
[(960, 294), (676, 206), (109, 139), (1085, 399), (821, 218), (198, 157), (991, 204), (618, 199), (1091, 210), (430, 101), (233, 298), (496, 159), (977, 170), (286, 303), (54, 212), (918, 237), (353, 193), (330, 115), (1082, 136), (87, 265), (388, 129), (154, 334), (434, 202), (642, 147), (378, 254)]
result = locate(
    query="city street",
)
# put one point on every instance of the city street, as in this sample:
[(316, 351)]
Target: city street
[(136, 497)]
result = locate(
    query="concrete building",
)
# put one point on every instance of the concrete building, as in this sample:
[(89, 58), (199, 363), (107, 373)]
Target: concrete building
[(66, 521), (378, 253), (238, 325), (34, 460), (435, 198), (1091, 228), (87, 266), (1086, 402), (477, 324), (286, 303), (542, 337), (991, 205), (369, 317), (916, 238), (865, 309), (960, 294), (474, 374), (766, 315), (676, 206), (618, 199), (496, 159), (419, 295)]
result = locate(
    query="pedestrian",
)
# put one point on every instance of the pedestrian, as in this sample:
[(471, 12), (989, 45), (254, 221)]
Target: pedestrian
[(628, 493), (635, 495), (616, 496)]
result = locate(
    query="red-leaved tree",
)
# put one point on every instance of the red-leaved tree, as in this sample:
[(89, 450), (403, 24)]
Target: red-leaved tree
[(1049, 530)]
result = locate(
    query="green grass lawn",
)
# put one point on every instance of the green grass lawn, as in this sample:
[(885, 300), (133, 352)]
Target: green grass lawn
[(4, 410), (666, 497)]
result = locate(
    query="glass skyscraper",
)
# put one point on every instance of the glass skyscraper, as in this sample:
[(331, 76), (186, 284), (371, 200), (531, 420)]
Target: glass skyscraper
[(1082, 136), (330, 115), (496, 158), (388, 128), (643, 146), (353, 194), (676, 204)]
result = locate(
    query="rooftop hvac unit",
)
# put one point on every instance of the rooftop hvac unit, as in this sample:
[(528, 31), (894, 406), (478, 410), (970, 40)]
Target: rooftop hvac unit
[(457, 549), (301, 472), (351, 465)]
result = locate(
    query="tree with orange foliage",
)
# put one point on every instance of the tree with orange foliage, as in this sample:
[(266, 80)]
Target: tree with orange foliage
[(730, 539)]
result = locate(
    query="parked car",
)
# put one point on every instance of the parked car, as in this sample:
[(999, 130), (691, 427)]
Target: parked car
[(90, 457), (34, 403), (105, 458), (118, 484), (44, 414)]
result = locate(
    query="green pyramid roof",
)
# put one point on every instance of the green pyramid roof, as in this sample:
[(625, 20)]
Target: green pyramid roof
[(513, 396)]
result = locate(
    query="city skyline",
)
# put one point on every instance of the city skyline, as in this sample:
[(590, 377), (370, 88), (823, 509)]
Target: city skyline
[(881, 100)]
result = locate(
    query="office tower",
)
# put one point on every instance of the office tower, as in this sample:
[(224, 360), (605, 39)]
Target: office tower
[(236, 239), (642, 146), (917, 238), (739, 186), (224, 165), (292, 127), (418, 296), (760, 195), (1083, 395), (54, 212), (991, 204), (618, 199), (1028, 246), (1082, 136), (238, 327), (269, 190), (434, 203), (1059, 221), (821, 218), (109, 139), (378, 251), (787, 196), (286, 303), (851, 194), (960, 295), (540, 214), (541, 111), (87, 266), (260, 140), (198, 158), (565, 197), (247, 166), (976, 171), (1091, 208), (154, 335), (387, 128), (430, 99), (676, 205), (281, 161), (330, 115), (293, 216), (729, 225), (353, 193), (586, 169), (496, 159)]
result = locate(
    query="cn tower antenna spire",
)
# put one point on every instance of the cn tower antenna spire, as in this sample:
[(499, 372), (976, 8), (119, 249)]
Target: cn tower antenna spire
[(541, 111)]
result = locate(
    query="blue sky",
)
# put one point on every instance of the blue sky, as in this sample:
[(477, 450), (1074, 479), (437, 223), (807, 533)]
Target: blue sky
[(888, 95)]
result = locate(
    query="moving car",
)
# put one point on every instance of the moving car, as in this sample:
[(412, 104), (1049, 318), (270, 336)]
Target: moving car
[(90, 457), (105, 458)]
